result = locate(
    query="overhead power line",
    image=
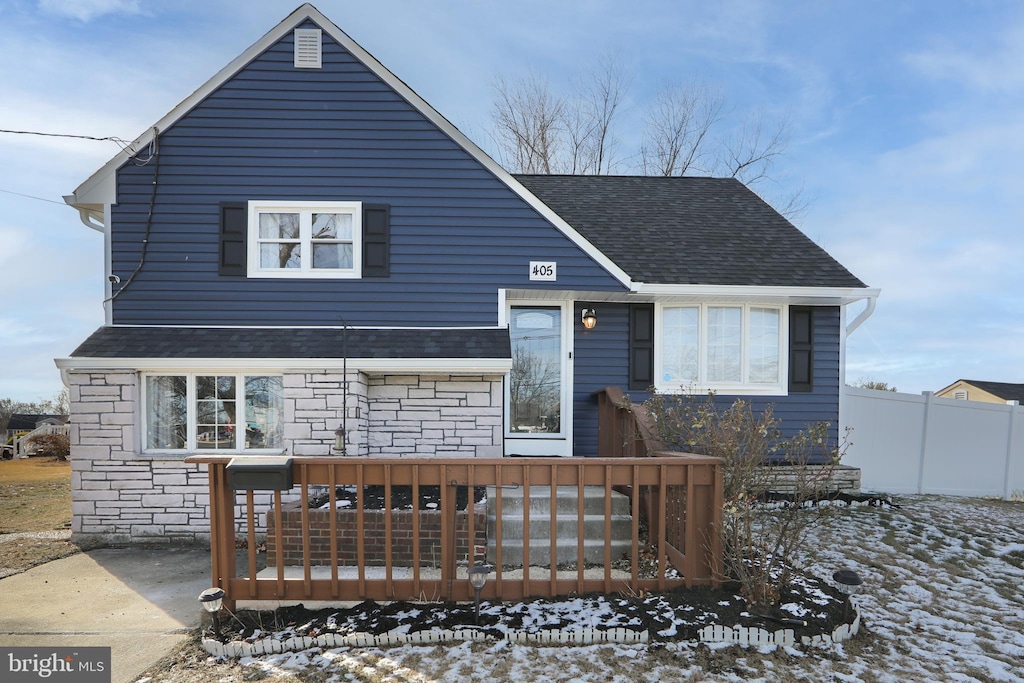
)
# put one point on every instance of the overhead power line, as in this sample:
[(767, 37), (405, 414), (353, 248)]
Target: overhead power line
[(111, 138), (42, 199)]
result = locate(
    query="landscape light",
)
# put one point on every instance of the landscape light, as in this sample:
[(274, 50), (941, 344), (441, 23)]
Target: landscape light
[(211, 599), (477, 579), (848, 582)]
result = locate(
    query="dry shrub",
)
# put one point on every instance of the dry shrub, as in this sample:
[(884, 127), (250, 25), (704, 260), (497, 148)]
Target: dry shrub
[(763, 534), (54, 445)]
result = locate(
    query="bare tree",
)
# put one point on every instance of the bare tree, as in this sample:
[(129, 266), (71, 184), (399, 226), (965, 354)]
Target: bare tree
[(528, 120), (62, 402), (865, 383), (10, 407), (601, 99), (749, 153), (687, 130), (538, 131), (677, 129)]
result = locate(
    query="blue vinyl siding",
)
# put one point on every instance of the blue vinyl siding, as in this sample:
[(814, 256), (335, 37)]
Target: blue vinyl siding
[(338, 133), (602, 359)]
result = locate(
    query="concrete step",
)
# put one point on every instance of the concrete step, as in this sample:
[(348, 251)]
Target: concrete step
[(567, 504), (565, 527), (565, 551), (566, 501)]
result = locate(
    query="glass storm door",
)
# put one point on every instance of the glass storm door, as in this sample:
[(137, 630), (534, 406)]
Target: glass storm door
[(536, 403)]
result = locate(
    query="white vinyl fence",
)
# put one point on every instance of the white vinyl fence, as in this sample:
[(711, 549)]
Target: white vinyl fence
[(905, 443)]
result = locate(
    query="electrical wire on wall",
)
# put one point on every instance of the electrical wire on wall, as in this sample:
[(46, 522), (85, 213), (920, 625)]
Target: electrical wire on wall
[(152, 155)]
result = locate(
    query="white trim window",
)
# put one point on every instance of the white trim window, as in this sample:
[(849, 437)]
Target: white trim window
[(305, 239), (213, 412), (733, 348)]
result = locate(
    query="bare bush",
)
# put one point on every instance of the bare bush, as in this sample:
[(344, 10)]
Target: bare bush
[(763, 533), (53, 445)]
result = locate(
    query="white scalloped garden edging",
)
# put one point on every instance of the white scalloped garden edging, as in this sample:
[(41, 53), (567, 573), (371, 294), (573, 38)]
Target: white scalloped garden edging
[(709, 634), (740, 635)]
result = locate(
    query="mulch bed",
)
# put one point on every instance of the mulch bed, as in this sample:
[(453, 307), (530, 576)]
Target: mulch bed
[(667, 616)]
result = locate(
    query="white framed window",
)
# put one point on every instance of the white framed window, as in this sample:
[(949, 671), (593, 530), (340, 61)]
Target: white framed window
[(234, 412), (295, 239), (732, 348)]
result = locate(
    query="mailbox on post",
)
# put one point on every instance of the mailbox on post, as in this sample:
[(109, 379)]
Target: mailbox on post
[(260, 473)]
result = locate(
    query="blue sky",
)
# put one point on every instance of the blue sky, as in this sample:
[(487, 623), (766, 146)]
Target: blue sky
[(906, 124)]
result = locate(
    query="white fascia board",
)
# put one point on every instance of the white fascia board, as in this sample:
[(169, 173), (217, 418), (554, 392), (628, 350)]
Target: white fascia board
[(837, 295), (100, 188), (376, 328), (447, 366)]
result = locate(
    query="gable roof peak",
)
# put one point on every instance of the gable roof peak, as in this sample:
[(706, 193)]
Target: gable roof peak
[(100, 189)]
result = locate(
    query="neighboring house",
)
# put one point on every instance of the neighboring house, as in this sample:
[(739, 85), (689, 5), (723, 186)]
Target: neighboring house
[(989, 392), (305, 212), (23, 422)]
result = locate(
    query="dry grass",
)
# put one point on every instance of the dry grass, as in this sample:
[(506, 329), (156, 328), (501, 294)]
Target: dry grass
[(35, 496)]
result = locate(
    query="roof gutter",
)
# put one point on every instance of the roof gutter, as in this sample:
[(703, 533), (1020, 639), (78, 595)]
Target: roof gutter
[(455, 366), (836, 295)]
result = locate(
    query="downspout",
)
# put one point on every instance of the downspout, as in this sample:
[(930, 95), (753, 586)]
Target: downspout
[(847, 331), (864, 315), (90, 219)]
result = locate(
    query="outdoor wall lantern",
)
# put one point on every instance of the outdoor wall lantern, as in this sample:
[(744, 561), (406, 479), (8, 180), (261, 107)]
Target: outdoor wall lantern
[(477, 578), (211, 599), (589, 318), (339, 439), (848, 582)]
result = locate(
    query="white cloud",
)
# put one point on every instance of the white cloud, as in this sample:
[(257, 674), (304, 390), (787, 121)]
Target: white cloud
[(12, 246), (86, 10), (996, 64)]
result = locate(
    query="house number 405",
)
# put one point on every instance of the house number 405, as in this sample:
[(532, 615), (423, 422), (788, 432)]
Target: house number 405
[(543, 270)]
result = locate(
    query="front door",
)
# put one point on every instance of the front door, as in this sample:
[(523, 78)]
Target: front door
[(538, 418)]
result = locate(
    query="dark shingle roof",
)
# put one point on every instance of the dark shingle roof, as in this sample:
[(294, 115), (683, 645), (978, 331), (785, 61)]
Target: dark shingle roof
[(683, 230), (1004, 390), (280, 342), (25, 421)]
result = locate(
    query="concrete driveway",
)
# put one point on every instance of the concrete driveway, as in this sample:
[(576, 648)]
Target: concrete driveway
[(139, 602)]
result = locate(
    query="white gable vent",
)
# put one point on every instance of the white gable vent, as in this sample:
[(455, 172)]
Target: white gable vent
[(308, 51), (960, 395)]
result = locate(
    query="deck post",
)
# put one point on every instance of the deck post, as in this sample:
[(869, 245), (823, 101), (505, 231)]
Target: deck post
[(222, 531)]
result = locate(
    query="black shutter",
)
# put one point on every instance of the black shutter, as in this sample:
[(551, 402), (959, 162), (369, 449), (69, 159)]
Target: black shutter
[(801, 348), (233, 230), (376, 240), (641, 346)]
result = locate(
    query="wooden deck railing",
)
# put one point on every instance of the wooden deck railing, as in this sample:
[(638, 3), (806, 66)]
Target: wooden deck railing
[(686, 490), (624, 429)]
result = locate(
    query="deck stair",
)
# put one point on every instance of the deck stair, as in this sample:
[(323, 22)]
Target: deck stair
[(566, 527)]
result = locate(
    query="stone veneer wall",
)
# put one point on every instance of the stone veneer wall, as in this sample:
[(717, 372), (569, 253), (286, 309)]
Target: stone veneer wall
[(121, 496), (435, 415)]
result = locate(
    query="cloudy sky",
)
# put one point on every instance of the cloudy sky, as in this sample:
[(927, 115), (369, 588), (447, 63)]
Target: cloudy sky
[(907, 137)]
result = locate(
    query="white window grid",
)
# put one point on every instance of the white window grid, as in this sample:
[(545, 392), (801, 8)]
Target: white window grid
[(305, 210), (191, 416), (742, 387)]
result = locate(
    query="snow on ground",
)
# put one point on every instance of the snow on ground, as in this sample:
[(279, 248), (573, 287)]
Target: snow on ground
[(943, 600)]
